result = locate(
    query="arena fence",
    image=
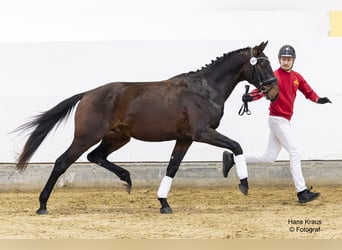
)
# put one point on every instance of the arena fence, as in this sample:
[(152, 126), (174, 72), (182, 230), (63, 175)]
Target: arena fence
[(150, 173)]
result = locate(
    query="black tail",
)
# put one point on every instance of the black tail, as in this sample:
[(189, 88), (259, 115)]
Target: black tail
[(43, 124)]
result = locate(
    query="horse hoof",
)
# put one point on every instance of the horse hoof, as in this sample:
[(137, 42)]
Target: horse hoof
[(228, 163), (243, 189), (128, 187), (126, 178), (166, 210), (42, 211)]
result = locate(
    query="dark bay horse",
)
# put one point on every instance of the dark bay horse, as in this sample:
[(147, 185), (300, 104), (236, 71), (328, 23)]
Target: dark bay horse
[(185, 108)]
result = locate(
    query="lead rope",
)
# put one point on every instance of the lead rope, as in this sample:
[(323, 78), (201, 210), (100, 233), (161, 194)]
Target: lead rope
[(244, 108)]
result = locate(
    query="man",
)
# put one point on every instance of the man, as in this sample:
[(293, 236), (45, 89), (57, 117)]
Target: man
[(281, 111)]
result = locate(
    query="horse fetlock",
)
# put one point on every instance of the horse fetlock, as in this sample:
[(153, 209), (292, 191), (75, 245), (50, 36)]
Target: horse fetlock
[(125, 176)]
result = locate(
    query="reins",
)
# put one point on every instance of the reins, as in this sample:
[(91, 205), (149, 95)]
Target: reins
[(244, 108)]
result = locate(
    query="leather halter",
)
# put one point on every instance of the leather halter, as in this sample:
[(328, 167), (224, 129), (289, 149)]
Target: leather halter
[(262, 82)]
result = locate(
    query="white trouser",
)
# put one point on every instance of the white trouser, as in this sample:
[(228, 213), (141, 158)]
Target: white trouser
[(281, 136)]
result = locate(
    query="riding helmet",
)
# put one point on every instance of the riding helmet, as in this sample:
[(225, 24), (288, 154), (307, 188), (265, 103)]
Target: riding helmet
[(287, 50)]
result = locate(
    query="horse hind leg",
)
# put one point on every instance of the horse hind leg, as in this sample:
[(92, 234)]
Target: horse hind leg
[(90, 127), (109, 144), (61, 165)]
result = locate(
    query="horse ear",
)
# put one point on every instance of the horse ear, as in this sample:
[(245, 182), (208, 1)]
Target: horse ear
[(260, 48)]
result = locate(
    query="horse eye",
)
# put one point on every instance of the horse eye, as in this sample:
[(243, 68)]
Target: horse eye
[(263, 64)]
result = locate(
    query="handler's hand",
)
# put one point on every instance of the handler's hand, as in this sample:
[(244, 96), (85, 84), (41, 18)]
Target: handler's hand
[(247, 98), (323, 100)]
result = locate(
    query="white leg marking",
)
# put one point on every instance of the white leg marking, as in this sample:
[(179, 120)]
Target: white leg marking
[(241, 166), (164, 187)]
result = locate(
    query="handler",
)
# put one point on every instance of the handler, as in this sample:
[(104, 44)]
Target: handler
[(281, 111)]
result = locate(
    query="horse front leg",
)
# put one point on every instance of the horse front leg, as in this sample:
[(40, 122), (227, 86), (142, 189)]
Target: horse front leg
[(212, 137), (177, 156)]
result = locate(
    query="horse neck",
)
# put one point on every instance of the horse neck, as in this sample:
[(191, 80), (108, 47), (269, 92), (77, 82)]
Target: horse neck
[(225, 73)]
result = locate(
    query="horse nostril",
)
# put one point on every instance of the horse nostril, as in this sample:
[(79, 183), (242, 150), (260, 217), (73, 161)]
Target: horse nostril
[(263, 89)]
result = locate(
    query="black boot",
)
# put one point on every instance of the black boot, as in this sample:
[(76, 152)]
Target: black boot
[(228, 163), (306, 196), (243, 186)]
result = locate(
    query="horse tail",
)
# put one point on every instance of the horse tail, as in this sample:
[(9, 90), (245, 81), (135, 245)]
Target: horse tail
[(43, 124)]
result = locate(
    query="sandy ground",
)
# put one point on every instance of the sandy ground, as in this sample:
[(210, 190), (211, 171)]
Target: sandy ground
[(199, 213)]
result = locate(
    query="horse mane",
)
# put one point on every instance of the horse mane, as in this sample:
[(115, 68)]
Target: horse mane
[(219, 59)]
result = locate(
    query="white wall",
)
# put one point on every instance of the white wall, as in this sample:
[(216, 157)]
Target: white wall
[(43, 63), (36, 76), (99, 20)]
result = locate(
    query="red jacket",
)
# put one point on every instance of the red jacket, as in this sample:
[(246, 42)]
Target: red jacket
[(288, 83)]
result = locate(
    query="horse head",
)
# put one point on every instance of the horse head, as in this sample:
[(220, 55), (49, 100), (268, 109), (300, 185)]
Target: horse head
[(257, 71)]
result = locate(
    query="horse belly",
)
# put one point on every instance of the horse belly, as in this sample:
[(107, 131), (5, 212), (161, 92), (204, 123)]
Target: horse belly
[(156, 126)]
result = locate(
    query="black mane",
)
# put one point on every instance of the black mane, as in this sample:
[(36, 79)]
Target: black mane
[(219, 60)]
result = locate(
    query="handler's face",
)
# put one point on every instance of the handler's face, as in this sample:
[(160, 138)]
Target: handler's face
[(286, 62)]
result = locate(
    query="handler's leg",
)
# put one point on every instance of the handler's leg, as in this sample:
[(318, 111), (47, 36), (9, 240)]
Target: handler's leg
[(286, 137), (272, 150), (282, 129), (177, 156)]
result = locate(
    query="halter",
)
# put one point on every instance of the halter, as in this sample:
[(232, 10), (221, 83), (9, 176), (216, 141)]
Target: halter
[(254, 61), (262, 83)]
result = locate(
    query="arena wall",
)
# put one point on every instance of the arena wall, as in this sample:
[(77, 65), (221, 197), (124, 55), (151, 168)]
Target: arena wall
[(149, 174)]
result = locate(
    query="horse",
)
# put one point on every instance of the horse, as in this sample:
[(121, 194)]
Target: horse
[(186, 108)]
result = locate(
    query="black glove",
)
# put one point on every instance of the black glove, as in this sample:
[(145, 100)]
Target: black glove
[(247, 98), (323, 100)]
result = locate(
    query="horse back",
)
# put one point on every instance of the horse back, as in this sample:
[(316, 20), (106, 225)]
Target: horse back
[(151, 111)]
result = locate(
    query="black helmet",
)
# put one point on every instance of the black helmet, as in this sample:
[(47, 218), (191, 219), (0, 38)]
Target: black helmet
[(287, 50)]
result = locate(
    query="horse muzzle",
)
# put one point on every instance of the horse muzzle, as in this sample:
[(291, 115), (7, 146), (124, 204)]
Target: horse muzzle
[(272, 92)]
